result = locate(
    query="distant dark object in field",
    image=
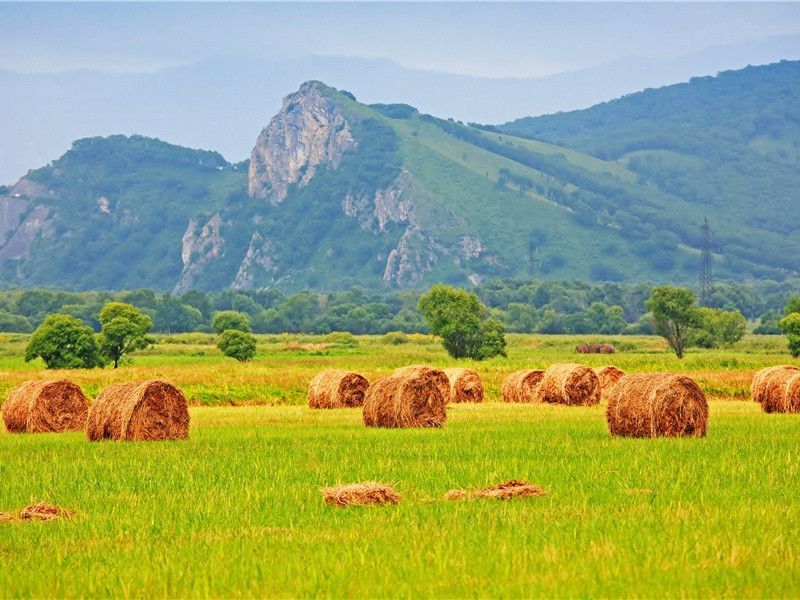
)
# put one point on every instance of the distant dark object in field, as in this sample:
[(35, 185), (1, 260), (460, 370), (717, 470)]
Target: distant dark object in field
[(335, 388), (438, 374), (657, 405), (139, 411), (411, 398), (45, 406), (503, 491), (608, 375), (777, 389), (595, 349), (570, 384), (45, 512), (523, 386), (465, 385), (361, 494)]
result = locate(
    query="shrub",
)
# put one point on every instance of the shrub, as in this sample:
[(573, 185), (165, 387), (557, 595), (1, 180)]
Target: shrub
[(237, 344)]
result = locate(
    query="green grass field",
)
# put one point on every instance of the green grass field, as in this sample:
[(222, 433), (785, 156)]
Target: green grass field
[(236, 510)]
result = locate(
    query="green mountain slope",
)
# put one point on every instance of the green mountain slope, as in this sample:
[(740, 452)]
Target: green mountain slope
[(338, 193)]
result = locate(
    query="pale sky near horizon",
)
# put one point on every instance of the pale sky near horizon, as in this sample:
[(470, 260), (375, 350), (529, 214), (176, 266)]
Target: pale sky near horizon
[(519, 39)]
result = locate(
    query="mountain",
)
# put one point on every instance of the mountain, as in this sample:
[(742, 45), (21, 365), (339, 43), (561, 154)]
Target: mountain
[(231, 96), (338, 193)]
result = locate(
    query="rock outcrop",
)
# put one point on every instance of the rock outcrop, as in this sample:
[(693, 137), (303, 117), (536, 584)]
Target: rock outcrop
[(199, 249)]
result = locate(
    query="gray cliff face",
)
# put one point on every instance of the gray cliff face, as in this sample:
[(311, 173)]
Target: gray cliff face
[(308, 131), (200, 247), (258, 264), (23, 220)]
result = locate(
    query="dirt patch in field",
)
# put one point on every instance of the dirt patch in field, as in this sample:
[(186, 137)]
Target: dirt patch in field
[(361, 494), (503, 491)]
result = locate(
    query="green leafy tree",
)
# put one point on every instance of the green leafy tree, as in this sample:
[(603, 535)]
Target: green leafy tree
[(790, 325), (124, 330), (230, 319), (64, 342), (720, 327), (459, 318), (674, 315), (237, 344)]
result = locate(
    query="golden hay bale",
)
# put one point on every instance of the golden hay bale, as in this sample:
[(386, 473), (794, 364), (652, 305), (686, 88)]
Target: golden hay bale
[(657, 405), (522, 386), (139, 411), (570, 384), (42, 406), (440, 376), (608, 375), (410, 400), (361, 494), (769, 387), (465, 385), (335, 388), (792, 399)]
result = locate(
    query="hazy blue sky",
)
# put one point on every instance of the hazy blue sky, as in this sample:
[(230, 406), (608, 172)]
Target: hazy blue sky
[(486, 39)]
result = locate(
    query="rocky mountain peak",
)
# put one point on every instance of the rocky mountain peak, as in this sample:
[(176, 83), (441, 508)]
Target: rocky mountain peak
[(309, 130)]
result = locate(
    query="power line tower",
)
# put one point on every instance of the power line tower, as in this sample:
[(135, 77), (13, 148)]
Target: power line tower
[(706, 278)]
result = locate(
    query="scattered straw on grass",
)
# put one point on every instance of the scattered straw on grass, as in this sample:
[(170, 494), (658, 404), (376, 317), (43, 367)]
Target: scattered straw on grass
[(6, 517), (465, 385), (361, 494), (45, 512), (570, 384), (336, 388), (45, 406), (503, 491), (523, 386)]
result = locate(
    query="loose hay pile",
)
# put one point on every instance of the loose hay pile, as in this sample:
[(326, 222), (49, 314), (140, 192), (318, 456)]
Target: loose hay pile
[(608, 375), (503, 491), (413, 398), (657, 405), (440, 376), (777, 389), (38, 512), (139, 411), (334, 388), (570, 384), (43, 406), (522, 386), (465, 385), (361, 494)]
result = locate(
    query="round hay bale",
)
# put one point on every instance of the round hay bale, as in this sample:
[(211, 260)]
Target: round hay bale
[(582, 349), (793, 394), (45, 406), (440, 377), (335, 388), (465, 385), (522, 386), (769, 387), (657, 405), (608, 375), (411, 400), (139, 411), (606, 349), (570, 384)]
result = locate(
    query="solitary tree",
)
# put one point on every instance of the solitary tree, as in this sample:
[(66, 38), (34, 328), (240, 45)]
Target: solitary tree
[(790, 325), (64, 342), (460, 319), (674, 315), (237, 344), (230, 319), (124, 329)]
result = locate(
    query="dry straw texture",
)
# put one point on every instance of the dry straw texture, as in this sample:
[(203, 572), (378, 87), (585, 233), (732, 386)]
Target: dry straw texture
[(465, 385), (771, 389), (657, 405), (503, 491), (440, 376), (570, 384), (522, 386), (334, 388), (45, 512), (361, 494), (42, 406), (139, 411), (608, 375), (409, 399)]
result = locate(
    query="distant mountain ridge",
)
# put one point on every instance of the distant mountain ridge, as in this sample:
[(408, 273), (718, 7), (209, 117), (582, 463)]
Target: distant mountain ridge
[(338, 193)]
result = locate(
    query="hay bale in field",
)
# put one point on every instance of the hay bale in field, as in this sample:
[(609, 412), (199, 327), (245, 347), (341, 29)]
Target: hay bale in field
[(608, 375), (582, 349), (769, 387), (139, 411), (657, 405), (440, 376), (335, 388), (465, 385), (361, 494), (408, 399), (606, 349), (44, 406), (570, 384), (522, 386), (792, 399)]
